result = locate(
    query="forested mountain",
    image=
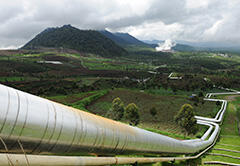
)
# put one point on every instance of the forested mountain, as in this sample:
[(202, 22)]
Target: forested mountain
[(67, 36), (124, 39), (130, 39), (114, 38)]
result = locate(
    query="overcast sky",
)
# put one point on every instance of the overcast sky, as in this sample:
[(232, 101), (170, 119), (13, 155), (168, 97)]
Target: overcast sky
[(192, 20)]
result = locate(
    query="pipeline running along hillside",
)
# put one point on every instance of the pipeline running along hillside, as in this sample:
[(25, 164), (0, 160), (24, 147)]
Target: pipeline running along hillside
[(45, 126)]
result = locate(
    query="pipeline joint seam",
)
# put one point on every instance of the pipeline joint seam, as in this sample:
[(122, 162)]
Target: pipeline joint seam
[(6, 148), (24, 153)]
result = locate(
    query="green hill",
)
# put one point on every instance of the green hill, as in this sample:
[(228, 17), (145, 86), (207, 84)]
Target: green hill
[(88, 41), (183, 47)]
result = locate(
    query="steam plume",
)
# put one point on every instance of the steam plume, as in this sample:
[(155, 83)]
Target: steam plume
[(166, 46)]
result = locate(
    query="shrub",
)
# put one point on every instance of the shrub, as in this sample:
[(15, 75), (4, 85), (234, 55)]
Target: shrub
[(218, 103), (185, 119), (88, 100), (131, 114), (200, 94), (153, 111), (117, 109)]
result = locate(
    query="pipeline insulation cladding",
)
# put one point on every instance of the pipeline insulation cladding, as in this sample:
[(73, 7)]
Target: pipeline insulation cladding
[(42, 125)]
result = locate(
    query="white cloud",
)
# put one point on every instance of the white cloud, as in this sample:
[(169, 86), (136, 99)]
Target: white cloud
[(194, 20), (197, 3), (156, 30)]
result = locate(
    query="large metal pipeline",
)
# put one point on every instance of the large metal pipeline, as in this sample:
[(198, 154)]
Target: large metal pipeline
[(45, 126), (43, 160)]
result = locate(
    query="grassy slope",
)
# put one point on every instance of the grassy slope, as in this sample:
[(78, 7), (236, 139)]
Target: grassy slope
[(166, 106), (229, 136), (80, 100)]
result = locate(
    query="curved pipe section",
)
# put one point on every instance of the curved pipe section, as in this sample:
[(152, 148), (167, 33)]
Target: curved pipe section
[(45, 126), (219, 117)]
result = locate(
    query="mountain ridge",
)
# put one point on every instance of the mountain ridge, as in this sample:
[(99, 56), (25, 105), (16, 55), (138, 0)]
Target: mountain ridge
[(124, 39), (67, 36)]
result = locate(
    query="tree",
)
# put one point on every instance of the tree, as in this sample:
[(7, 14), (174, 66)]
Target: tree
[(117, 109), (40, 91), (131, 114), (185, 119), (195, 99), (153, 111), (218, 103), (200, 94)]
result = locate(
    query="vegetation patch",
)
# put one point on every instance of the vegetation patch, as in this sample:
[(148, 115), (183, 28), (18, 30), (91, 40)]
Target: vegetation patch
[(166, 108), (81, 100)]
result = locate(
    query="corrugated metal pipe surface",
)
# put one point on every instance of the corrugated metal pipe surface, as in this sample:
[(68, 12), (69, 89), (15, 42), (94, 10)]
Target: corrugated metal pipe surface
[(45, 126)]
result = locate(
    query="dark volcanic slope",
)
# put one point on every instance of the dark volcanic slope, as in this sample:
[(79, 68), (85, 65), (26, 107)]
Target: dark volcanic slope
[(114, 38), (89, 41), (130, 39), (123, 39)]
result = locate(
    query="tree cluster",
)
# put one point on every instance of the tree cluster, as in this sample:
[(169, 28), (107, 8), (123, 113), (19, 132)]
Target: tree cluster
[(130, 113)]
